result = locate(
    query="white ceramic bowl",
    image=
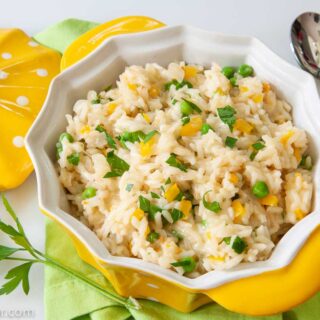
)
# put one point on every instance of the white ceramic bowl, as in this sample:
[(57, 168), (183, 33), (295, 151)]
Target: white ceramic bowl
[(164, 46)]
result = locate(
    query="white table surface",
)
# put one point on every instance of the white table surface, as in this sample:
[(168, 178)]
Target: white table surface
[(267, 20)]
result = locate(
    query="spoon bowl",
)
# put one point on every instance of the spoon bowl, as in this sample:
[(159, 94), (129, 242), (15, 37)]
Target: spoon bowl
[(305, 42)]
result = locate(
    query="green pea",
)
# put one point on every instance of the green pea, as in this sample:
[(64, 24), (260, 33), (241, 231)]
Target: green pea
[(66, 135), (233, 81), (186, 108), (245, 70), (260, 189), (228, 71), (89, 193)]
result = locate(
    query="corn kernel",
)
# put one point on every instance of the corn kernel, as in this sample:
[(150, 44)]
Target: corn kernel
[(153, 92), (265, 87), (284, 139), (185, 207), (269, 200), (243, 89), (146, 148), (146, 117), (132, 86), (85, 129), (257, 98), (297, 154), (111, 107), (190, 72), (138, 213), (238, 210), (172, 192), (234, 178), (299, 214), (192, 127), (147, 231), (220, 92), (243, 126), (208, 234), (216, 258)]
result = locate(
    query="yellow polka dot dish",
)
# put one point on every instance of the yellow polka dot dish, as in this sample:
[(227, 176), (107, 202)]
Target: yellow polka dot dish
[(26, 70), (256, 288)]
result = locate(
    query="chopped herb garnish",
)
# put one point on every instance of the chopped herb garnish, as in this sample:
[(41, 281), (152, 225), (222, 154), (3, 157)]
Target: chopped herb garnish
[(155, 195), (239, 245), (185, 120), (258, 145), (189, 107), (144, 204), (153, 236), (96, 101), (89, 193), (174, 162), (204, 222), (129, 187), (153, 211), (179, 196), (227, 240), (108, 88), (230, 142), (226, 115), (59, 148), (168, 181), (132, 137), (253, 155), (174, 101), (205, 129), (188, 264), (118, 165), (212, 206), (177, 234), (111, 142), (74, 158), (306, 162), (176, 215), (177, 84), (149, 135)]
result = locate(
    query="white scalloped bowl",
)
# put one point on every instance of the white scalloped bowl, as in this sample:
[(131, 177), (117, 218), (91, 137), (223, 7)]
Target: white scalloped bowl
[(163, 46)]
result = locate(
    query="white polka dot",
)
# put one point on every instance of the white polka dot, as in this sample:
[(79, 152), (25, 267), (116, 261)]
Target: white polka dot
[(3, 75), (151, 285), (6, 55), (22, 101), (33, 44), (18, 141), (42, 72)]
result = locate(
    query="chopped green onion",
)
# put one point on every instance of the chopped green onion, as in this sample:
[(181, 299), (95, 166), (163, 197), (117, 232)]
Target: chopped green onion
[(129, 187), (226, 115), (185, 120), (155, 195), (260, 189), (111, 142), (230, 142), (89, 193), (176, 215), (245, 70), (212, 206), (144, 204), (258, 145), (153, 236), (228, 71), (132, 137), (188, 264), (177, 84), (153, 211), (74, 158), (118, 166), (205, 128), (239, 245), (174, 162), (149, 135)]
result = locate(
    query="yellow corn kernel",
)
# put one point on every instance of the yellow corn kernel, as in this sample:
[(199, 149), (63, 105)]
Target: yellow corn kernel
[(243, 89), (85, 129), (154, 92), (238, 210), (132, 86), (208, 234), (172, 192), (265, 87), (138, 213), (146, 148), (220, 92), (299, 214), (257, 98), (192, 127), (297, 154), (269, 200), (185, 207), (216, 258), (111, 107), (284, 139), (243, 126), (234, 178), (147, 231), (190, 72), (146, 117)]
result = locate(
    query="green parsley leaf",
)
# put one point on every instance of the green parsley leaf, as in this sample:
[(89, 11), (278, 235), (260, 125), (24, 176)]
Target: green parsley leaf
[(188, 264), (177, 84), (227, 240), (129, 187), (111, 142), (230, 142), (258, 145), (155, 195), (212, 206), (96, 101), (226, 115), (239, 245), (132, 137), (205, 129), (192, 105), (253, 155), (144, 204), (74, 158), (168, 181), (118, 165), (153, 236), (6, 252), (174, 162), (176, 214)]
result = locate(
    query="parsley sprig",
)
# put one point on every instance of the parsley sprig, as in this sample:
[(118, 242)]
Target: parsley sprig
[(19, 275)]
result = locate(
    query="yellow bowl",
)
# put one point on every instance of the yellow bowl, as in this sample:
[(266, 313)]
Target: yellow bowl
[(252, 288)]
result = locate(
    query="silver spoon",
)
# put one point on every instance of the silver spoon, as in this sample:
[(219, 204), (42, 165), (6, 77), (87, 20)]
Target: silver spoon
[(305, 42)]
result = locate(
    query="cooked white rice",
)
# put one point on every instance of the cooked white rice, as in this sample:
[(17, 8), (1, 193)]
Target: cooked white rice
[(246, 228)]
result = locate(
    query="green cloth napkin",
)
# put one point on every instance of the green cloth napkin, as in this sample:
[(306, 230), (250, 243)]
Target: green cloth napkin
[(68, 298)]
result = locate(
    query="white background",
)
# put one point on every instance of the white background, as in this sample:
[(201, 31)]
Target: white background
[(269, 21)]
